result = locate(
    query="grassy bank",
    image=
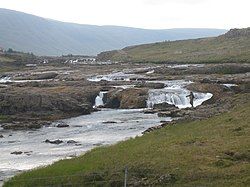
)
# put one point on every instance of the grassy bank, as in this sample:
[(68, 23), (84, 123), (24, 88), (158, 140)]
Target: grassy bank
[(233, 46), (211, 152)]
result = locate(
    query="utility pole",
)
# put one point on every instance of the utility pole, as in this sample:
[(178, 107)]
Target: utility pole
[(126, 176)]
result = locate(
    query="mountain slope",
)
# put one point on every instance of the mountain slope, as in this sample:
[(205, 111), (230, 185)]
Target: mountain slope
[(234, 46), (28, 33)]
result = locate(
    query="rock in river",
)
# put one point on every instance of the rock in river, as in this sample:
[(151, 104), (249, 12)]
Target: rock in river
[(62, 125), (127, 99), (54, 141), (23, 125), (71, 142), (17, 153)]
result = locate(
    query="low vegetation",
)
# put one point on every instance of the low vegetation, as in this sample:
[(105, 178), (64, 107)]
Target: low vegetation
[(234, 46), (12, 60), (210, 152)]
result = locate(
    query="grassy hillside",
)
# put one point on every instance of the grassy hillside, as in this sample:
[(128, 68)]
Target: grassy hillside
[(211, 152), (11, 61), (29, 33), (233, 46)]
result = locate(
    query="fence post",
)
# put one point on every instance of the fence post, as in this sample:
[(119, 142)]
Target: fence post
[(126, 176)]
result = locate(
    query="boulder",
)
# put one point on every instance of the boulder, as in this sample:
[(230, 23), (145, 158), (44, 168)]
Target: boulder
[(109, 122), (150, 85), (170, 113), (37, 102), (53, 141), (62, 125), (127, 99), (1, 136), (17, 153), (217, 90), (150, 111), (42, 76), (71, 142), (165, 106), (22, 125), (113, 99)]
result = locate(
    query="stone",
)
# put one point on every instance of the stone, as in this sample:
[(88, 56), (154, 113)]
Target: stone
[(130, 98), (171, 113), (150, 85), (22, 125), (62, 125), (71, 142), (54, 141), (168, 178), (17, 153), (107, 122), (164, 106)]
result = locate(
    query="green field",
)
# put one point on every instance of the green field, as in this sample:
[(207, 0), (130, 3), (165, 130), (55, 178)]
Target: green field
[(234, 46), (209, 152)]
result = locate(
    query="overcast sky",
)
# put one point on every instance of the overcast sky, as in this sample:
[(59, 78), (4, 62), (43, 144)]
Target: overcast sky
[(153, 14)]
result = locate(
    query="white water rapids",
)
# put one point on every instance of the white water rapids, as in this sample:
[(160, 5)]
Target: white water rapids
[(5, 80), (176, 94)]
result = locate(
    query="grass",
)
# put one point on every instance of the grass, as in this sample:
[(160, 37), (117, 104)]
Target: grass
[(5, 59), (204, 50), (4, 118), (210, 152)]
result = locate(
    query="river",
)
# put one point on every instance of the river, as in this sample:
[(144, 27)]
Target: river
[(104, 127)]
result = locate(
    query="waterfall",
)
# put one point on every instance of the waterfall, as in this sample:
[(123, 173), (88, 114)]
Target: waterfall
[(175, 95), (99, 99)]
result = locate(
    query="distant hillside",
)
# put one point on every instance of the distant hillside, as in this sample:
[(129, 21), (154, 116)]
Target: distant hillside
[(28, 33), (234, 46)]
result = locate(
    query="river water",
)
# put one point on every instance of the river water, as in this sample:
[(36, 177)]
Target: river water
[(100, 128)]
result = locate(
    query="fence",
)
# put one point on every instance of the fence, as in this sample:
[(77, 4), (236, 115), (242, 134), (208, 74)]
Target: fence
[(126, 177)]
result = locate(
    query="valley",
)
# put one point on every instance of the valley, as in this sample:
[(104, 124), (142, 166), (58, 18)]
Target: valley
[(115, 101), (127, 109)]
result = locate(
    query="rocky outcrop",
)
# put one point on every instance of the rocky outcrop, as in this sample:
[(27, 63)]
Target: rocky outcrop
[(165, 106), (41, 76), (205, 70), (217, 90), (158, 127), (24, 125), (25, 102), (113, 99), (170, 113), (28, 104), (47, 98), (150, 85), (233, 33), (127, 99)]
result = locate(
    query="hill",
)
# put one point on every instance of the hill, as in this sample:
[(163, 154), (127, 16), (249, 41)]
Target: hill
[(233, 46), (29, 33), (209, 152)]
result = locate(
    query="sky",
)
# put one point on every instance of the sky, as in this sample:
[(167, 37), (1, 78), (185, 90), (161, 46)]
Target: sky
[(150, 14)]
